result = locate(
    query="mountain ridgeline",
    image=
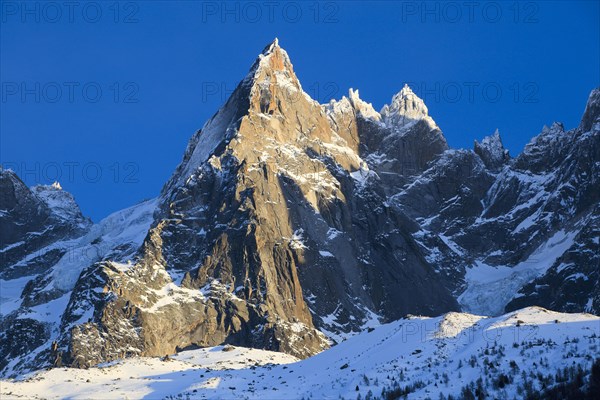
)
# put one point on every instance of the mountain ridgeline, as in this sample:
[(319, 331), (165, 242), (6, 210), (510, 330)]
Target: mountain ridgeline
[(290, 225)]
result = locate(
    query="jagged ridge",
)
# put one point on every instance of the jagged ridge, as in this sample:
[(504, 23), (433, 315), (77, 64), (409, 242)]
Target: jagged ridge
[(288, 219)]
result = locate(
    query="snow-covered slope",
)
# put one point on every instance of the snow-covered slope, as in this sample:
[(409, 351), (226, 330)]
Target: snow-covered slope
[(34, 305), (424, 357), (507, 233), (60, 202)]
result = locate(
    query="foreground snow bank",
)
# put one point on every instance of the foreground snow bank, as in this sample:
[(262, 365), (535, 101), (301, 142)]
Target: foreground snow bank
[(430, 356), (136, 378)]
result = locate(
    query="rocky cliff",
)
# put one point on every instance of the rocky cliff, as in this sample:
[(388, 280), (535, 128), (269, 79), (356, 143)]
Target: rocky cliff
[(290, 225)]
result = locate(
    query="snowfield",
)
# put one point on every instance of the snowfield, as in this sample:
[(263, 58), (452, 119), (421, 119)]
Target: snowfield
[(141, 378), (423, 357), (489, 289)]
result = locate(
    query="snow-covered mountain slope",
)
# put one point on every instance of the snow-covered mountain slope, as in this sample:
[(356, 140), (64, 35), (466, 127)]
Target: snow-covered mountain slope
[(290, 225), (61, 203), (514, 232), (271, 229), (31, 219), (37, 304), (526, 351)]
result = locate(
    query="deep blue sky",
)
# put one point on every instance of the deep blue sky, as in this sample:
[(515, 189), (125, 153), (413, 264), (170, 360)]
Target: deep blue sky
[(169, 58)]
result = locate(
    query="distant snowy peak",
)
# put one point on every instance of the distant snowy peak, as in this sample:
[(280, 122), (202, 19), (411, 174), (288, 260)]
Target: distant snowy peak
[(492, 151), (404, 111), (406, 107), (556, 128), (60, 202)]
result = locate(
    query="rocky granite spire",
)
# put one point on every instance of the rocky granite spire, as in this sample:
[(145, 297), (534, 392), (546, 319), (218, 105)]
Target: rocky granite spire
[(291, 225), (365, 109), (262, 218), (492, 151), (272, 80), (406, 107), (591, 116)]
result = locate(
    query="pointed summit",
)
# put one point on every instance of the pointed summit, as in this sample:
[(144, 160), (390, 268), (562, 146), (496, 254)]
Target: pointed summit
[(270, 90), (591, 116), (406, 90), (362, 107), (271, 47), (273, 57), (406, 107), (492, 151), (272, 81)]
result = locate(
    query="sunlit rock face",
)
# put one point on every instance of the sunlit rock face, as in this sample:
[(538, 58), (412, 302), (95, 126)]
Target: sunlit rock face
[(290, 225)]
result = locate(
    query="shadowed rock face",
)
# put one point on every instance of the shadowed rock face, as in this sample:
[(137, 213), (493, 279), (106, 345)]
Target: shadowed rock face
[(288, 220), (492, 152), (572, 283), (591, 116), (30, 222)]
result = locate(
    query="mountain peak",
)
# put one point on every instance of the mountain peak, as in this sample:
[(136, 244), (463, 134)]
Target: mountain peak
[(555, 128), (269, 89), (362, 107), (406, 107), (591, 116), (60, 202), (272, 80), (492, 151), (271, 47), (406, 91), (273, 57), (11, 183)]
